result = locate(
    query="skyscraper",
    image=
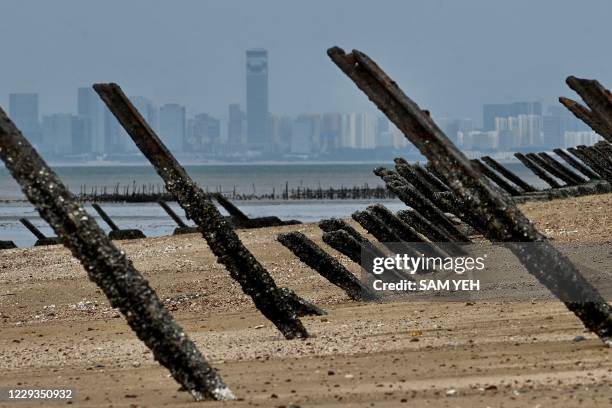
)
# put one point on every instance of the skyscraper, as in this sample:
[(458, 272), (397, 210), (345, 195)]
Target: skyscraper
[(505, 110), (204, 133), (91, 111), (57, 133), (23, 110), (172, 126), (257, 98), (236, 127)]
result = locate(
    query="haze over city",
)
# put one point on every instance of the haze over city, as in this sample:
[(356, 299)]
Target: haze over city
[(453, 57)]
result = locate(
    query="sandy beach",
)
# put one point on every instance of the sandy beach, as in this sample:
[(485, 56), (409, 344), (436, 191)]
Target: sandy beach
[(58, 331)]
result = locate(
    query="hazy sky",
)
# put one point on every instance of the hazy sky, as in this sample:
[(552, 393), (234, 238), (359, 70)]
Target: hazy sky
[(450, 56)]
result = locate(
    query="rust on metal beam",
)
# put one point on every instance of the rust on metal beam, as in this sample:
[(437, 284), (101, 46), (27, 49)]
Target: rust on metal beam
[(598, 115)]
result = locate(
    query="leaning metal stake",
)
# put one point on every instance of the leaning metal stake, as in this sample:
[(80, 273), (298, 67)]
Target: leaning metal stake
[(500, 215), (109, 268), (221, 238)]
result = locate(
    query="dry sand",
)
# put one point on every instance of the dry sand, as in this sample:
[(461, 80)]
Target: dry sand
[(57, 330)]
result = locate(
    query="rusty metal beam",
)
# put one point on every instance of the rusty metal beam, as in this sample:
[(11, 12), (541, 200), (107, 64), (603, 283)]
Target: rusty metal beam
[(405, 232), (504, 221), (409, 172), (586, 157), (431, 178), (598, 115), (346, 244), (586, 116), (108, 267), (333, 225), (551, 169), (583, 168), (332, 270), (537, 170), (495, 178), (254, 279), (508, 174), (410, 196), (597, 157), (577, 179)]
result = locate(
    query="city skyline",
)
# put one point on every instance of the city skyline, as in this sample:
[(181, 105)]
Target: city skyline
[(257, 133), (451, 56)]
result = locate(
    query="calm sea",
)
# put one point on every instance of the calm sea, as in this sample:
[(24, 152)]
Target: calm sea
[(258, 178)]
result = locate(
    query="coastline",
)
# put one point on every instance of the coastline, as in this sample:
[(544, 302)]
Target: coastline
[(56, 327)]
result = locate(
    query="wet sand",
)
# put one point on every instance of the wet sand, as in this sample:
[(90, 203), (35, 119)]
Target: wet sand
[(57, 330)]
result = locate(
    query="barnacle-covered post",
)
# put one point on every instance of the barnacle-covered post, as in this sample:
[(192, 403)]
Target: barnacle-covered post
[(583, 168), (592, 162), (568, 180), (221, 238), (109, 268), (499, 214), (495, 165), (598, 115), (405, 232), (332, 270), (533, 166), (495, 178), (354, 247), (413, 198), (562, 169), (599, 157), (181, 228)]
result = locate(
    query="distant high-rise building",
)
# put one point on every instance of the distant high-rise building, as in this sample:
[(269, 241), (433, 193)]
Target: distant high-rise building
[(236, 127), (57, 131), (356, 131), (23, 110), (331, 131), (530, 129), (552, 131), (91, 111), (481, 141), (113, 142), (586, 137), (257, 98), (382, 125), (80, 144), (301, 135), (507, 129), (204, 133), (274, 132), (285, 132), (504, 110), (172, 126)]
